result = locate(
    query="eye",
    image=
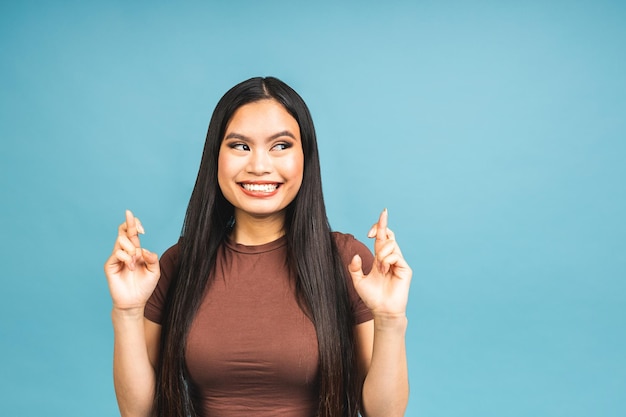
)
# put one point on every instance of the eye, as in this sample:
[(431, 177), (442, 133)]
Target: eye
[(281, 146), (239, 146)]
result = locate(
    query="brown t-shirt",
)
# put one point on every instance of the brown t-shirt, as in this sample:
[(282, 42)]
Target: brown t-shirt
[(251, 350)]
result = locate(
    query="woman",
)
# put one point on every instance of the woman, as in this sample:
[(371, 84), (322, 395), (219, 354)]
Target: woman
[(259, 309)]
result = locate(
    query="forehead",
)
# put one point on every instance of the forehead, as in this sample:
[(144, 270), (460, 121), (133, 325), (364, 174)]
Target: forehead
[(262, 118)]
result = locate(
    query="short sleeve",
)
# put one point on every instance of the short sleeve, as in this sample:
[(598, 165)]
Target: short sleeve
[(169, 263), (348, 246)]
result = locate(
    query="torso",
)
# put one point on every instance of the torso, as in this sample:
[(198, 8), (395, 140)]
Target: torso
[(251, 350), (250, 346)]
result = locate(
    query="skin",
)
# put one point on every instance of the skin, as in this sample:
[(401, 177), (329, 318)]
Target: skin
[(262, 146), (381, 347)]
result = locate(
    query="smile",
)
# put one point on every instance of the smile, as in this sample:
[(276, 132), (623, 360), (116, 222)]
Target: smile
[(260, 188)]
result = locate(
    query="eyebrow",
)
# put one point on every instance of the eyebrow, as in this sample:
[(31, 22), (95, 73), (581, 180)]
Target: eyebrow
[(239, 136)]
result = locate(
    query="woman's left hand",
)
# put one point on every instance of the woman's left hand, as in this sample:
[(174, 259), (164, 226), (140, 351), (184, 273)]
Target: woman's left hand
[(385, 290)]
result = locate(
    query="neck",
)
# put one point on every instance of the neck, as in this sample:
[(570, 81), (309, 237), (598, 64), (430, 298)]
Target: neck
[(253, 231)]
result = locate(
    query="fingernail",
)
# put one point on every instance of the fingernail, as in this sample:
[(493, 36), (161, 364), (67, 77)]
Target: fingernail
[(371, 233), (140, 228)]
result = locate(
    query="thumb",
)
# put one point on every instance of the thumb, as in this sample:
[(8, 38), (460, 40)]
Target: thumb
[(355, 269), (151, 260)]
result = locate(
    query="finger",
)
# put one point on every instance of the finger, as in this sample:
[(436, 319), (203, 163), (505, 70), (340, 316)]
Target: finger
[(132, 231), (140, 229), (123, 229), (380, 226), (356, 269), (112, 264), (381, 230), (126, 258), (372, 231), (387, 248), (389, 261), (401, 268), (151, 259), (131, 225), (125, 244)]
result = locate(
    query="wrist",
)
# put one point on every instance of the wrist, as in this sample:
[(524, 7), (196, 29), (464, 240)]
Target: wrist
[(134, 313), (396, 322)]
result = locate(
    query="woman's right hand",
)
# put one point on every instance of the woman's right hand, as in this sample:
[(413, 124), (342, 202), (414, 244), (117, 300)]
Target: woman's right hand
[(132, 271)]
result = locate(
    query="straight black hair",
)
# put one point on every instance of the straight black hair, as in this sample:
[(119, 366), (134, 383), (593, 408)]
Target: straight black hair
[(313, 256)]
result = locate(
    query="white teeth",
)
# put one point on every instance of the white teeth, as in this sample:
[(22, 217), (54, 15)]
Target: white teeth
[(265, 188)]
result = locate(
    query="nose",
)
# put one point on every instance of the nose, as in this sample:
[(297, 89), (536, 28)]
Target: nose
[(260, 163)]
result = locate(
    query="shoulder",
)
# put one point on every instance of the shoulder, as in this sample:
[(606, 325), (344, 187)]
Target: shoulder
[(172, 253), (348, 246), (346, 241), (169, 263), (171, 258)]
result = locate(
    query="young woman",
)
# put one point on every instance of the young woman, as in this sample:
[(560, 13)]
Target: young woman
[(259, 309)]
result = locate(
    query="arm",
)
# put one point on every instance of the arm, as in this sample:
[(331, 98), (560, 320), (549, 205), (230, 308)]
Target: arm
[(382, 360), (380, 343), (135, 352), (132, 273)]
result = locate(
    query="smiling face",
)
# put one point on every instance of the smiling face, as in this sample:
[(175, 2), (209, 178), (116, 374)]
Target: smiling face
[(261, 162)]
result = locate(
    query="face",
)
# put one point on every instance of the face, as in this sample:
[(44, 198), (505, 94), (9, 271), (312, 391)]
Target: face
[(261, 162)]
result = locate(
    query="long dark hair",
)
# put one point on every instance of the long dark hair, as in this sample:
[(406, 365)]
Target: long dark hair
[(320, 274)]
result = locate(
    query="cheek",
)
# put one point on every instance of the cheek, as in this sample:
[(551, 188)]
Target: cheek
[(225, 165), (223, 171), (296, 167)]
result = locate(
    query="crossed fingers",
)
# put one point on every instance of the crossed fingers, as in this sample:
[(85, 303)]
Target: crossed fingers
[(128, 246), (386, 251)]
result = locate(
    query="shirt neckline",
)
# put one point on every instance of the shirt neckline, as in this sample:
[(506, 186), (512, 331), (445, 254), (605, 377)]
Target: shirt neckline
[(254, 249)]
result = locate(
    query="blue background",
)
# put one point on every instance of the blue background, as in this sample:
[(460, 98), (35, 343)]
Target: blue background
[(495, 133)]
